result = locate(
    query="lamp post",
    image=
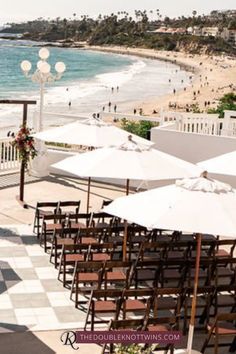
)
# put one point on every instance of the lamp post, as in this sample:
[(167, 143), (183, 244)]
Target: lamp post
[(42, 75)]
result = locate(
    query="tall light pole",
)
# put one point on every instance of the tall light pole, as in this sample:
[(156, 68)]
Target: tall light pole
[(42, 75)]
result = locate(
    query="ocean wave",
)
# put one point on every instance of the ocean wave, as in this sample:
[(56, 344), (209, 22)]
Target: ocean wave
[(119, 78)]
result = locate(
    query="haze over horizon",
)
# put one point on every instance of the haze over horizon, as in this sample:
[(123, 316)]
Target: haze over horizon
[(17, 11)]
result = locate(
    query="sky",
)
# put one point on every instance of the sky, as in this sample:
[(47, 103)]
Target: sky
[(20, 10)]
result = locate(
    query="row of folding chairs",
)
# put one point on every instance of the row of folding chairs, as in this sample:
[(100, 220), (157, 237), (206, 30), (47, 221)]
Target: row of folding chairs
[(163, 306), (54, 208), (223, 325)]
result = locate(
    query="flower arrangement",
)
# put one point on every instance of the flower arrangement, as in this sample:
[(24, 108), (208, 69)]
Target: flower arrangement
[(25, 144), (133, 349)]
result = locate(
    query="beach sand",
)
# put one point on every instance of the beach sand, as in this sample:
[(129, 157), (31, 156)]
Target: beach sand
[(213, 76)]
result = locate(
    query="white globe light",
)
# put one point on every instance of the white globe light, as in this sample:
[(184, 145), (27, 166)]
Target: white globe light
[(39, 64), (44, 53), (45, 68), (25, 65), (60, 67)]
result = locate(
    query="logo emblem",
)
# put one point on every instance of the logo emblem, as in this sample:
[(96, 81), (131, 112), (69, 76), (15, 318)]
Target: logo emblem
[(69, 338)]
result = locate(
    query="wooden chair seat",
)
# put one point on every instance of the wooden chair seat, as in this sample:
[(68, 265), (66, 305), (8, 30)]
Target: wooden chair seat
[(105, 306), (158, 328), (134, 305), (74, 257), (64, 241), (225, 328), (165, 303), (222, 253), (100, 257), (146, 274), (88, 277), (88, 240), (53, 227), (116, 275)]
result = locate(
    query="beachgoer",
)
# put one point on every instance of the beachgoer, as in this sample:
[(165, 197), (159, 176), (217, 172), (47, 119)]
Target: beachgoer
[(94, 115), (184, 88), (170, 80), (112, 89), (174, 91), (140, 111), (109, 105), (117, 88), (135, 110), (98, 115), (115, 107), (69, 104), (154, 112), (103, 108), (67, 89)]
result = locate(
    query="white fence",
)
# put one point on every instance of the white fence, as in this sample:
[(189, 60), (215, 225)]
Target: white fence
[(9, 156)]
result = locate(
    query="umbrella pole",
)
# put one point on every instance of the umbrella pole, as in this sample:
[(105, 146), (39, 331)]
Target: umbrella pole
[(125, 228), (194, 300), (127, 187), (88, 194), (125, 241)]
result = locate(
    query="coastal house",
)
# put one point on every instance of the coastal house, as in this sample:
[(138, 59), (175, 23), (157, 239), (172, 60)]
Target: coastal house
[(229, 35), (210, 31), (170, 30)]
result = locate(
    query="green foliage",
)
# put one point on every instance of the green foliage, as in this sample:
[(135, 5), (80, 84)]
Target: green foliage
[(122, 29), (227, 102), (132, 349), (140, 128)]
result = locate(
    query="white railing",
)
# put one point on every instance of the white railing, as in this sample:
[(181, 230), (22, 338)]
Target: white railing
[(209, 124), (9, 156)]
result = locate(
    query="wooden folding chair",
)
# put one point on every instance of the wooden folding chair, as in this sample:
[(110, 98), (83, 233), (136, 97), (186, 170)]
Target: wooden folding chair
[(222, 326), (71, 254), (50, 223), (102, 302), (117, 274), (64, 205), (102, 251), (87, 276), (42, 209), (61, 237)]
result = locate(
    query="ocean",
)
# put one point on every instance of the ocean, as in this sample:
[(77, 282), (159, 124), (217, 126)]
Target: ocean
[(87, 82)]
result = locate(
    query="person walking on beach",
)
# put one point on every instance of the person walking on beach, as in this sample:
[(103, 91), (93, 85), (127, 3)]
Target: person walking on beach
[(69, 104), (103, 108), (135, 110), (109, 105), (117, 88), (174, 91), (140, 111), (112, 89), (115, 107)]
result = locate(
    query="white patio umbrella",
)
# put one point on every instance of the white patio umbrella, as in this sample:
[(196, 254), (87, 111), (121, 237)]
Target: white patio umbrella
[(88, 132), (223, 164), (198, 205), (128, 161)]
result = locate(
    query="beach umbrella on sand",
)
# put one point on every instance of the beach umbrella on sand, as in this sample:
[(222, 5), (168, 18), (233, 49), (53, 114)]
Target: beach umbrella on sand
[(224, 164), (90, 132), (197, 205), (130, 161)]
